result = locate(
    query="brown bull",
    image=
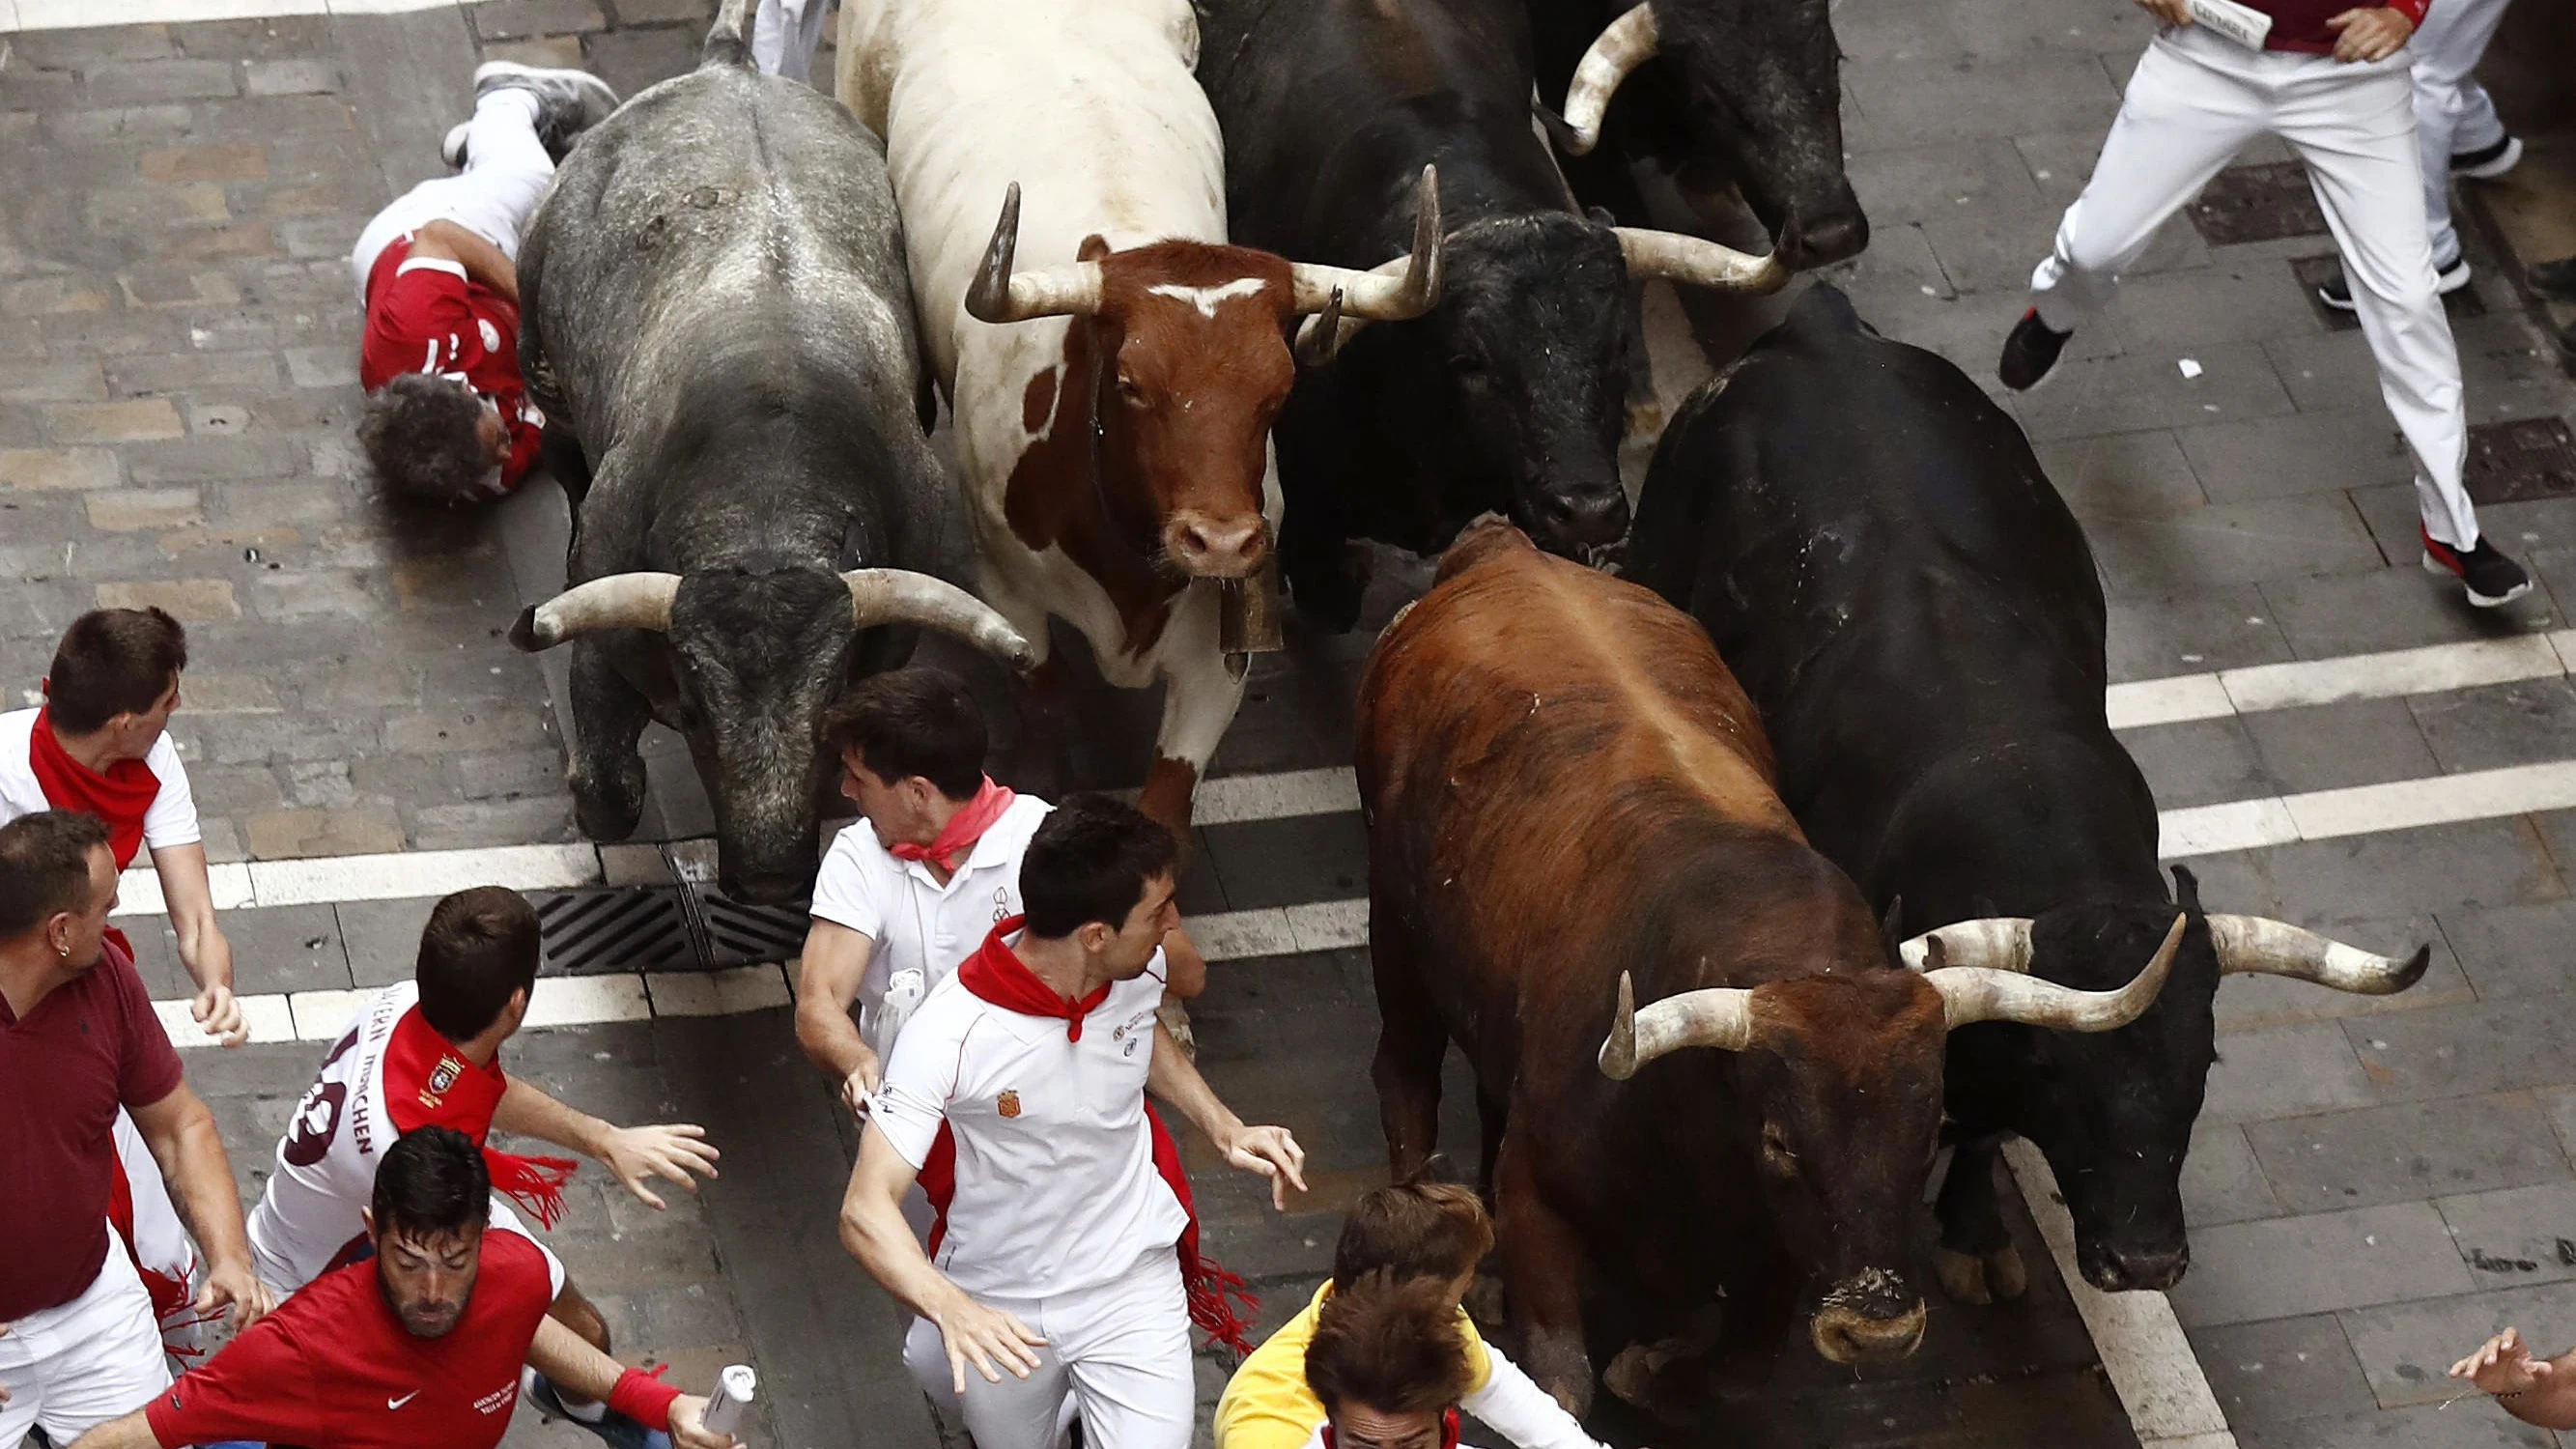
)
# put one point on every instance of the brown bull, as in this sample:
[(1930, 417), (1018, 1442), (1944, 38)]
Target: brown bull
[(1570, 799)]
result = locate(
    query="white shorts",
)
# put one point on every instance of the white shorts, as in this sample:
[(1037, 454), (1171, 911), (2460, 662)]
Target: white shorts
[(1118, 1355), (93, 1359)]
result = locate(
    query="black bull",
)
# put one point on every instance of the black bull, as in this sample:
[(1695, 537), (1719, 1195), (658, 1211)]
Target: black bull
[(1876, 553)]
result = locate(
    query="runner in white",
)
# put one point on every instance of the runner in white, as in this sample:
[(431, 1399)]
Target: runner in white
[(913, 886), (1065, 1263), (784, 36)]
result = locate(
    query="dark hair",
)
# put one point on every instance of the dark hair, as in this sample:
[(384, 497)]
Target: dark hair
[(112, 662), (908, 722), (1435, 1230), (479, 946), (432, 1184), (1089, 861), (422, 435), (1389, 1344), (44, 867)]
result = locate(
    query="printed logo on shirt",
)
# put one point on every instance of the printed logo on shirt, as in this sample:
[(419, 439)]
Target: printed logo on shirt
[(441, 1077), (317, 1121), (1008, 1104), (491, 334), (405, 1399), (500, 1398)]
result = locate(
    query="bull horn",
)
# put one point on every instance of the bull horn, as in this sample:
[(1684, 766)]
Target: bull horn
[(1970, 994), (1715, 1016), (1620, 49), (2254, 944), (999, 294), (1996, 943), (1320, 338), (899, 596), (1397, 292), (619, 601), (1697, 261)]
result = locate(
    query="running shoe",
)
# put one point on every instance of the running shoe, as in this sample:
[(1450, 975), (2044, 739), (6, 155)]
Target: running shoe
[(2030, 352), (452, 149), (2491, 578), (2553, 279), (2448, 277), (614, 1429), (569, 102), (2488, 162)]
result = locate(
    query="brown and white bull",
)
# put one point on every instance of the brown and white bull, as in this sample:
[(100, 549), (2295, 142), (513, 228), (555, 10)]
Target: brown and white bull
[(1571, 811), (1114, 441)]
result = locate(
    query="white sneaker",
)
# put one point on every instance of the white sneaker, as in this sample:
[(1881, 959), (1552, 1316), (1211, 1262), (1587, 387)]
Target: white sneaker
[(2488, 162), (2448, 277), (452, 150)]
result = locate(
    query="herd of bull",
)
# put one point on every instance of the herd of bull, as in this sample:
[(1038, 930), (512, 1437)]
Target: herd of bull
[(1733, 879)]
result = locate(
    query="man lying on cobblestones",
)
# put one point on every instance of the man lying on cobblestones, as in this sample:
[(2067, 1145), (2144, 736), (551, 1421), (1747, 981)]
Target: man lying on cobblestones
[(419, 1349), (1388, 1365), (2332, 83), (2538, 1391), (1426, 1232), (447, 417), (78, 1041), (1065, 1264), (425, 1053), (100, 745), (911, 887)]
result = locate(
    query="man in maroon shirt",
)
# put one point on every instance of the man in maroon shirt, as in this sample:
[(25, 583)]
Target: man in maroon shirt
[(419, 1347), (78, 1039)]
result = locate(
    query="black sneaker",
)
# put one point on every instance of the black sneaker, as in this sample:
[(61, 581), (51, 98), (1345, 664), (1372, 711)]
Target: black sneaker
[(2448, 277), (2553, 279), (2491, 578), (2488, 162), (2030, 352), (569, 102)]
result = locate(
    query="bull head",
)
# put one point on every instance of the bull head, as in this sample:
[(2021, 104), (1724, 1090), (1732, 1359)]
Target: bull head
[(2246, 945), (877, 596)]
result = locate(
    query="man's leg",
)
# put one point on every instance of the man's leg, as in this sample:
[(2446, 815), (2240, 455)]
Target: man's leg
[(506, 169), (105, 1358), (2453, 115), (1017, 1413), (1128, 1345)]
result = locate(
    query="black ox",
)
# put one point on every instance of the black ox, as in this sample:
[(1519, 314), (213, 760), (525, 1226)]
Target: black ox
[(717, 308), (1509, 395), (1872, 547)]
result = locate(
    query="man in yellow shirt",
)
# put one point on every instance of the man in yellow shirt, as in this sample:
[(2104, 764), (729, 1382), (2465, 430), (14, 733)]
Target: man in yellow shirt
[(1410, 1232)]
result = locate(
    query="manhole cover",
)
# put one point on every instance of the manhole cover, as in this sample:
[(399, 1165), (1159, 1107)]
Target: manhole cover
[(635, 929), (2266, 202), (738, 935), (2312, 273), (2513, 461)]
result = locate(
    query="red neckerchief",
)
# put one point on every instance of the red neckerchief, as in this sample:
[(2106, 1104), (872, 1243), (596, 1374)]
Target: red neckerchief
[(957, 838), (428, 1083), (997, 975), (120, 797)]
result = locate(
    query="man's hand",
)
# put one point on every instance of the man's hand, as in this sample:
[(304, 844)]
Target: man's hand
[(2168, 12), (633, 1154), (2362, 35), (235, 1286), (861, 1083), (689, 1426), (1270, 1151), (2504, 1366), (973, 1333), (220, 1015)]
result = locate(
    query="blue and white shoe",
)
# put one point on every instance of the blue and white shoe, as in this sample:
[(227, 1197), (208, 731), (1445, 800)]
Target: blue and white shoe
[(614, 1429)]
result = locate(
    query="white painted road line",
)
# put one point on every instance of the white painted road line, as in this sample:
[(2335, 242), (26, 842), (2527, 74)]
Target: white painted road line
[(1231, 798)]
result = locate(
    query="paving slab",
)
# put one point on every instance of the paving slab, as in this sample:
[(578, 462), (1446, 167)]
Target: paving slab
[(2515, 1236), (2281, 1267), (2408, 1153), (2407, 1349), (2281, 1370)]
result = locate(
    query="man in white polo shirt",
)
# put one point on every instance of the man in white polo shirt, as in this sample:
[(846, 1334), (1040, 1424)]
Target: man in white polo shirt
[(1064, 1265), (914, 885)]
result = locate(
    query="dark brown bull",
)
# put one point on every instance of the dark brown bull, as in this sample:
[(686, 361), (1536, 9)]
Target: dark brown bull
[(1569, 800)]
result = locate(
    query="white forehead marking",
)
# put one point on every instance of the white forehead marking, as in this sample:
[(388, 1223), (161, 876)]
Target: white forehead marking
[(1208, 299)]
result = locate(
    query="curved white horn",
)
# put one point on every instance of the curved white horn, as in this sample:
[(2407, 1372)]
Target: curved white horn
[(1971, 994), (1697, 261), (1396, 292), (899, 596), (619, 601), (1618, 50), (1997, 943), (999, 294), (1715, 1016), (2255, 944)]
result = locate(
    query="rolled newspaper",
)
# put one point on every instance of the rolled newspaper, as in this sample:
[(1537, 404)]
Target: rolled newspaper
[(729, 1406), (2243, 24)]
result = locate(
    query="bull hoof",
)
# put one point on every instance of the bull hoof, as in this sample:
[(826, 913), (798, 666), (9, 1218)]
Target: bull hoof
[(1175, 1018), (1661, 1378), (1962, 1277), (605, 810), (2005, 1274)]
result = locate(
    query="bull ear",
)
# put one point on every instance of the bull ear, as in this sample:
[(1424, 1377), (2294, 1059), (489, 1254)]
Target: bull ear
[(2186, 889), (1093, 248), (1601, 215)]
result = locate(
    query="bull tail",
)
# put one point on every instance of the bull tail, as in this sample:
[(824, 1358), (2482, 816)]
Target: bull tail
[(729, 40)]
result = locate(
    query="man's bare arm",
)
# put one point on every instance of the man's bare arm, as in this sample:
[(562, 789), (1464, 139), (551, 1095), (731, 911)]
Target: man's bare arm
[(190, 1152), (579, 1371), (828, 973), (190, 900), (874, 1232), (1185, 970), (445, 241), (130, 1432), (1270, 1151), (631, 1154)]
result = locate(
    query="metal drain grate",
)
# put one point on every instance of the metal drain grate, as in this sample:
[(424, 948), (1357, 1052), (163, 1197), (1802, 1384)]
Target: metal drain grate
[(634, 929), (2312, 273), (2515, 461), (2266, 202), (734, 934)]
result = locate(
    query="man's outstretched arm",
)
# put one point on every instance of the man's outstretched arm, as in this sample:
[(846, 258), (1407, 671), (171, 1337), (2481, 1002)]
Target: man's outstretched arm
[(631, 1154), (483, 262), (1270, 1151), (874, 1232)]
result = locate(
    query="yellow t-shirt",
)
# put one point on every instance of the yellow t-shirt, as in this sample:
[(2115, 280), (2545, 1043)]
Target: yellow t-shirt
[(1266, 1405)]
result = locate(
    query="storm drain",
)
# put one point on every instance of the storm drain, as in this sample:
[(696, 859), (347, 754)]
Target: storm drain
[(2312, 273), (2265, 202), (690, 926), (2511, 462)]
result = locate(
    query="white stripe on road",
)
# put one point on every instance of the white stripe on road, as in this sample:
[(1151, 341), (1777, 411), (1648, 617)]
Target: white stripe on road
[(2255, 689), (558, 1001)]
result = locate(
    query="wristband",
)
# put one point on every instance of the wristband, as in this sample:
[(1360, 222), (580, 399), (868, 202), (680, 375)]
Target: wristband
[(2413, 10), (644, 1398)]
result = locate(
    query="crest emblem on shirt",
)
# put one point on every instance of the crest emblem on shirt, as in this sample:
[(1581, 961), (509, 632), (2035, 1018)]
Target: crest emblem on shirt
[(441, 1077), (1008, 1104)]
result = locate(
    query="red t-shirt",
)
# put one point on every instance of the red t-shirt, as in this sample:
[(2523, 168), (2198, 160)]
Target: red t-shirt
[(335, 1368), (426, 316), (2301, 24), (92, 1045)]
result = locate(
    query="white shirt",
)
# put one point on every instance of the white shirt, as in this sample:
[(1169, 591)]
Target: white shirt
[(172, 820), (917, 923), (1056, 1186)]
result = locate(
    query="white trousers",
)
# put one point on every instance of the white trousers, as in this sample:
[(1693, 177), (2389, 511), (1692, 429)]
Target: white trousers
[(2194, 102), (93, 1359), (784, 34), (2453, 115), (505, 176), (1119, 1353)]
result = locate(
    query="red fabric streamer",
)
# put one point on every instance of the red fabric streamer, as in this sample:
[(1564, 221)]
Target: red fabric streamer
[(428, 1083), (120, 797), (956, 840)]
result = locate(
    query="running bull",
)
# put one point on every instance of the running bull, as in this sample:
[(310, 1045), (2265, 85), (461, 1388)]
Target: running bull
[(1700, 1064), (1916, 613), (1506, 397), (715, 303)]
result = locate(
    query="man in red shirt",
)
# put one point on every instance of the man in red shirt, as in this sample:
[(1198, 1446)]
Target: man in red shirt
[(447, 418), (418, 1348), (78, 1039)]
